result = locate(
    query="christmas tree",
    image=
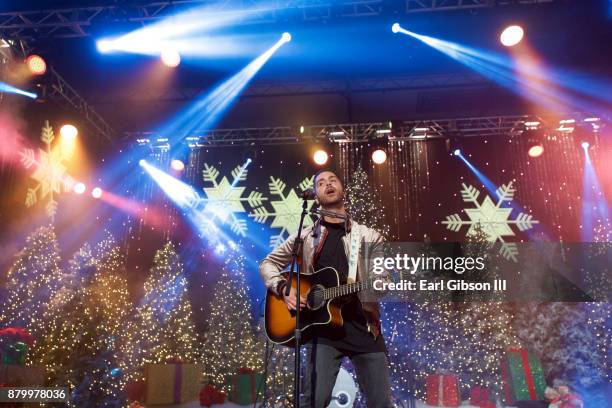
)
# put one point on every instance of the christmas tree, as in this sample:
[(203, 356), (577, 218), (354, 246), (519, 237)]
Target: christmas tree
[(363, 205), (97, 311), (230, 342), (163, 326), (56, 348), (32, 281)]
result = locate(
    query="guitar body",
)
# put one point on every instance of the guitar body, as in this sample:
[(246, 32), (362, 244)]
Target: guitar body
[(281, 322)]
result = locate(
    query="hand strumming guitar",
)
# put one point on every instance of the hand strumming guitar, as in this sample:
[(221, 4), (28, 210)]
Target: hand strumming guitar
[(290, 300)]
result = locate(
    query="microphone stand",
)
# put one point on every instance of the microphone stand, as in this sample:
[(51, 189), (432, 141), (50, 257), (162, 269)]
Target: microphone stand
[(297, 249)]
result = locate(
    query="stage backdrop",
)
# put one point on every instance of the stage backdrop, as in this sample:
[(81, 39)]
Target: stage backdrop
[(422, 189)]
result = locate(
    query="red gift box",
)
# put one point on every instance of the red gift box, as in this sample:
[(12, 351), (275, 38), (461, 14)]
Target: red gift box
[(442, 390), (211, 395), (480, 397)]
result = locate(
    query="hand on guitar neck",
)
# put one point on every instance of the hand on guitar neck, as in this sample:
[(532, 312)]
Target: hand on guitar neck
[(290, 300)]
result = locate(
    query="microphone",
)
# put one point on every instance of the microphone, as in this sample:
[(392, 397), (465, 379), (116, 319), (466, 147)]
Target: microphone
[(308, 194)]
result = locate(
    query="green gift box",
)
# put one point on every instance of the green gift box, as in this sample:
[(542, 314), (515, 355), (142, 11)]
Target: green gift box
[(15, 354), (246, 387), (523, 376)]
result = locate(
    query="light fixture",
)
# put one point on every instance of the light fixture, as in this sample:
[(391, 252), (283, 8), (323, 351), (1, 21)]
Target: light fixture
[(69, 132), (512, 35), (171, 58), (320, 157), (36, 64), (379, 156)]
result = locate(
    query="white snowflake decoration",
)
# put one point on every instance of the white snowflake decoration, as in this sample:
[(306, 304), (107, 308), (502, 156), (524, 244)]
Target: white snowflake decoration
[(494, 219), (224, 200), (287, 210), (49, 171)]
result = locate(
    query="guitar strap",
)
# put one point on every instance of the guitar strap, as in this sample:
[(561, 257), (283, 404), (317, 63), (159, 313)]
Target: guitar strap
[(355, 244)]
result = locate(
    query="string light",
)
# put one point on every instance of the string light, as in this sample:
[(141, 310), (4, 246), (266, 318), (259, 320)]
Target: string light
[(230, 343)]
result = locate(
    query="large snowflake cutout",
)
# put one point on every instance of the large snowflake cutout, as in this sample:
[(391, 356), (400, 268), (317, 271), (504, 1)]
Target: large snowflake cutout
[(286, 210), (494, 219), (224, 200), (49, 171)]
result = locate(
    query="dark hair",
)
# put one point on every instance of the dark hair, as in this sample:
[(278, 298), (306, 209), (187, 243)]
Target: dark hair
[(327, 170)]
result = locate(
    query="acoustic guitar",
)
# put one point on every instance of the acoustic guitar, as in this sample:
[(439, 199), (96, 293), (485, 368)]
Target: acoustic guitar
[(325, 297)]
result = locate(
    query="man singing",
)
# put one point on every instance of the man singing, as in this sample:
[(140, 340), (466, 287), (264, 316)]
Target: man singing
[(327, 243)]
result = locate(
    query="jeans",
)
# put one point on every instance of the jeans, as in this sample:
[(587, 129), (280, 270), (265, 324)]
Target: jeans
[(322, 369)]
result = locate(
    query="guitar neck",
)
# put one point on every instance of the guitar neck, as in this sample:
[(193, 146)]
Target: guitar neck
[(346, 289)]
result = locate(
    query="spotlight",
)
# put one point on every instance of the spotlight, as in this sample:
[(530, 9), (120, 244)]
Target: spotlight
[(171, 58), (104, 45), (457, 152), (535, 139), (320, 157), (79, 188), (96, 192), (379, 156), (69, 132), (142, 162), (535, 150), (177, 165), (395, 28), (512, 35), (585, 145), (36, 64), (286, 37)]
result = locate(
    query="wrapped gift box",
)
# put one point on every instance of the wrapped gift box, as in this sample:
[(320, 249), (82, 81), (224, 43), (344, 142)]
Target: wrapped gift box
[(172, 383), (523, 376), (442, 390), (246, 387)]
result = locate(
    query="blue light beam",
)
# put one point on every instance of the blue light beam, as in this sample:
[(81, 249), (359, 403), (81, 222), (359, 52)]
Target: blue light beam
[(541, 85), (206, 112), (187, 32), (182, 194), (594, 204), (4, 87)]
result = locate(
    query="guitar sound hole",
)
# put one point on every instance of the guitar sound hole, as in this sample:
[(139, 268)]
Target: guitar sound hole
[(315, 298)]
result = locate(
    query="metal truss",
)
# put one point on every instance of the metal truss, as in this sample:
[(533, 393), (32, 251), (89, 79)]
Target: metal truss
[(78, 21), (415, 6), (56, 88), (488, 126)]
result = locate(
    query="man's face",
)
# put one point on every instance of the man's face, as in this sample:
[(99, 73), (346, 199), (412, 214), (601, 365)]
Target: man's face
[(328, 189)]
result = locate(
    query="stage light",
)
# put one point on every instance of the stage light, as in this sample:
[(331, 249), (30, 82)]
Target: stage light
[(96, 192), (395, 28), (457, 152), (171, 58), (535, 150), (512, 35), (36, 64), (379, 156), (104, 46), (177, 165), (69, 132), (286, 37), (320, 157), (585, 145), (79, 188), (302, 129)]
